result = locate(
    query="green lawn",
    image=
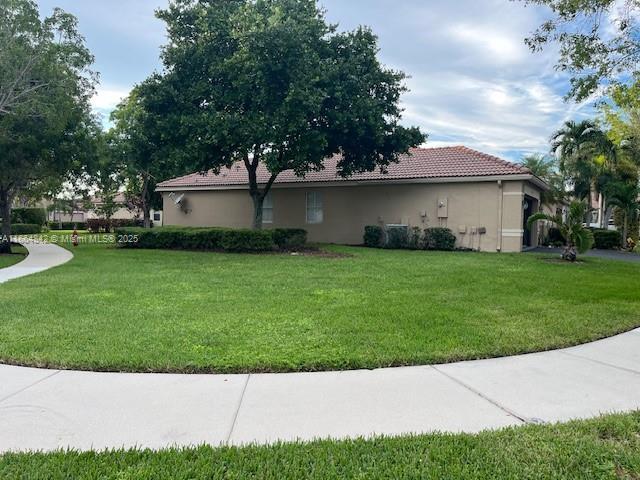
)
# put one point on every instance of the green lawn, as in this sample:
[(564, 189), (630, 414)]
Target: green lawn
[(604, 448), (145, 310), (17, 255)]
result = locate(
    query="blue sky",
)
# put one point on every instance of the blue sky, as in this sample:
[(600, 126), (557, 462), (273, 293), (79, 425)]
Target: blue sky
[(473, 81)]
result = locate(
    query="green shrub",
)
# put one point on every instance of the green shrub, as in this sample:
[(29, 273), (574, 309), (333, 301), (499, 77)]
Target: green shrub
[(373, 236), (439, 238), (104, 225), (67, 225), (33, 216), (25, 229), (187, 238), (554, 237), (414, 241), (247, 241), (397, 237), (607, 239), (289, 238)]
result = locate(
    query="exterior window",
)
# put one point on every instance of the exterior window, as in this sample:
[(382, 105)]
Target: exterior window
[(314, 207), (156, 217), (267, 209)]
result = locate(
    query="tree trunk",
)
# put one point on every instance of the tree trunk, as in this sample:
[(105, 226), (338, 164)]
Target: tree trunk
[(146, 215), (5, 213), (146, 208), (258, 202), (625, 230), (254, 191)]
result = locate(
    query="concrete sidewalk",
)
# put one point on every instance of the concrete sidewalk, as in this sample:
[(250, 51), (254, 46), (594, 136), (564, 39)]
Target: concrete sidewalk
[(42, 256), (51, 409)]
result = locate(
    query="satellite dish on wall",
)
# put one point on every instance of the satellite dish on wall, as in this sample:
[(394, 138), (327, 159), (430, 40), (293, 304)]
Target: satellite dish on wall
[(180, 201)]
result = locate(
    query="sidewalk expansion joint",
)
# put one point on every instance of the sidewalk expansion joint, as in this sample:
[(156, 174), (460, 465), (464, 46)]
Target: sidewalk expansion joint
[(29, 386), (235, 416), (600, 362), (508, 411)]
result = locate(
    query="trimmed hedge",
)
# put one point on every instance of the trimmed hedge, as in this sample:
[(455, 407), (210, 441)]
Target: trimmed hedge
[(104, 225), (219, 239), (289, 238), (607, 239), (25, 229), (373, 236), (434, 238), (67, 225), (439, 238), (397, 237), (32, 216)]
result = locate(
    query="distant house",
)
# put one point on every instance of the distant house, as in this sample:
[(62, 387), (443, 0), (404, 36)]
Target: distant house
[(483, 199), (85, 210)]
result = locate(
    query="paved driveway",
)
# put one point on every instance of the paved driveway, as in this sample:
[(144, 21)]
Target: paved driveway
[(608, 254)]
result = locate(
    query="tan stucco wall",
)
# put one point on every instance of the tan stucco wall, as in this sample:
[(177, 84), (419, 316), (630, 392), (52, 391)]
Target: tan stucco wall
[(347, 209)]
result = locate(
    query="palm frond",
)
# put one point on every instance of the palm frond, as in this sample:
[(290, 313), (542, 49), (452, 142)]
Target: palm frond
[(543, 216), (583, 239)]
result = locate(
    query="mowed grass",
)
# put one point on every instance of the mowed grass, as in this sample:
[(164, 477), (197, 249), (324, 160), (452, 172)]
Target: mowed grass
[(145, 310), (604, 448), (18, 253)]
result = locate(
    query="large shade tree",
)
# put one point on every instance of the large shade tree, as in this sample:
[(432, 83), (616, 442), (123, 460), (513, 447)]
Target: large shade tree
[(270, 82), (137, 149), (46, 129)]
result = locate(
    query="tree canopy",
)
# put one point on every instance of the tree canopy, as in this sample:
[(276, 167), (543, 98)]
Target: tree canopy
[(136, 147), (598, 41), (270, 82), (46, 128)]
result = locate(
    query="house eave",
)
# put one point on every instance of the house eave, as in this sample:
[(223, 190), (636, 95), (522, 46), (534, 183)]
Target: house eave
[(350, 183)]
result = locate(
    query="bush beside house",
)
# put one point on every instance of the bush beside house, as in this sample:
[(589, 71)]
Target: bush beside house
[(607, 239), (554, 238), (216, 239), (434, 238), (438, 238)]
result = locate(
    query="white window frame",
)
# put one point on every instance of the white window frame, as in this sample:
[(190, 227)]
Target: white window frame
[(267, 207), (315, 203)]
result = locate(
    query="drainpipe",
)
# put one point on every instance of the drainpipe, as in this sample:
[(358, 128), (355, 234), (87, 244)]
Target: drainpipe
[(500, 203)]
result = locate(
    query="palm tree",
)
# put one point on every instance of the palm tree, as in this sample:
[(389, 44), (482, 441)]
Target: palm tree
[(546, 168), (578, 238), (625, 197), (583, 150)]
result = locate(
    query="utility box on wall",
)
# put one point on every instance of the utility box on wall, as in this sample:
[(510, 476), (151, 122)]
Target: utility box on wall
[(443, 208)]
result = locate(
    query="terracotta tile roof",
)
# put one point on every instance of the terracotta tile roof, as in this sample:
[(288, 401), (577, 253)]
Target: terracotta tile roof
[(421, 163)]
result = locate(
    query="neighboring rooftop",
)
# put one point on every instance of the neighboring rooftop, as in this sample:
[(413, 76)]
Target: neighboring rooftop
[(119, 198), (422, 163)]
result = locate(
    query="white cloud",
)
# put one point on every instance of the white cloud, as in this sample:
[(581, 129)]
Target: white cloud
[(496, 46), (107, 98), (473, 80)]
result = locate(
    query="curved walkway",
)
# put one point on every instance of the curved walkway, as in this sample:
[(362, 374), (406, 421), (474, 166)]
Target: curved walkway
[(42, 256), (51, 409)]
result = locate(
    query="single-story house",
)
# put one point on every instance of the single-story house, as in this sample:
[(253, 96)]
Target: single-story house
[(483, 199)]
